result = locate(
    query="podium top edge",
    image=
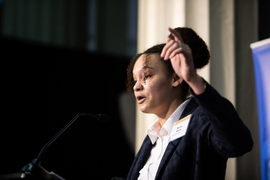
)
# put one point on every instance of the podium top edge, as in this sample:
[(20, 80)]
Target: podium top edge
[(260, 43)]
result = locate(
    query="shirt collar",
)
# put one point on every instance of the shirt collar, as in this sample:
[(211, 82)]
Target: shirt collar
[(156, 130)]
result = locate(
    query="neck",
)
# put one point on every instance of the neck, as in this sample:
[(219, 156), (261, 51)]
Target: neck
[(164, 116)]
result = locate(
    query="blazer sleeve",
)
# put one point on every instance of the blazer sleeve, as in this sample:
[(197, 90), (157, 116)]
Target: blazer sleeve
[(227, 134)]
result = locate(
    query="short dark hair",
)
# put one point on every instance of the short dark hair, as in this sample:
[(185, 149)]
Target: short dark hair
[(199, 49)]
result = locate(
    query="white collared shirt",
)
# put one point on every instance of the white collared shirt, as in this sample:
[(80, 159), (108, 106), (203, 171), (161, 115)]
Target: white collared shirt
[(160, 136)]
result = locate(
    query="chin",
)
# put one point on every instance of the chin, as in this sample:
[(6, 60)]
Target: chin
[(145, 110)]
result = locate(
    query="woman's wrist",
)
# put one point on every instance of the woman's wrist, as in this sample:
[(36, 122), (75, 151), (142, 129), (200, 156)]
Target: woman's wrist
[(197, 85)]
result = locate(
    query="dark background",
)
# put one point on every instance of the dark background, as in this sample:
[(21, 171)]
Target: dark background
[(47, 81), (43, 88)]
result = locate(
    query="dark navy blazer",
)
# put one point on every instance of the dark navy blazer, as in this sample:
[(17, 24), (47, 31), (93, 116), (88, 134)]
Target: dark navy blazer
[(214, 134)]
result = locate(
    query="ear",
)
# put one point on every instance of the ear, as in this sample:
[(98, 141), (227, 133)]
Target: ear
[(176, 80)]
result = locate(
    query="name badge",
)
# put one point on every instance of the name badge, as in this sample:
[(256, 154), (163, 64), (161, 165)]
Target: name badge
[(180, 128)]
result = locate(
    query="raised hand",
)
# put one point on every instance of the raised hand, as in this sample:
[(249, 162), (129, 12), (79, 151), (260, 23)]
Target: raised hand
[(181, 59)]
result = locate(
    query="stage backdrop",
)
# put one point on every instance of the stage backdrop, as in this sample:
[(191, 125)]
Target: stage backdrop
[(43, 88), (261, 58)]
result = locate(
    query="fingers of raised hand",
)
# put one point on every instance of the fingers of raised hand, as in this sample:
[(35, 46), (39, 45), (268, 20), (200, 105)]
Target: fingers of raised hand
[(171, 49), (176, 35)]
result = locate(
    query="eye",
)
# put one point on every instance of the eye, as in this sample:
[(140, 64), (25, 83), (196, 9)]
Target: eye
[(146, 77)]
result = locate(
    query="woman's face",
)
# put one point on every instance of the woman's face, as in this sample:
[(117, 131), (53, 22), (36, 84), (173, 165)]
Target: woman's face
[(152, 86)]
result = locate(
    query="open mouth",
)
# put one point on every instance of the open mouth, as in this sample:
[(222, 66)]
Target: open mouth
[(140, 99)]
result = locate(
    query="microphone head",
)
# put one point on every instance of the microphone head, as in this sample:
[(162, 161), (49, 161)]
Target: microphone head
[(103, 117), (100, 117)]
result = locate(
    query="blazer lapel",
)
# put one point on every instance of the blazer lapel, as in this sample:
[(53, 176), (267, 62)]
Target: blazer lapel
[(190, 108), (173, 144), (166, 157), (141, 157)]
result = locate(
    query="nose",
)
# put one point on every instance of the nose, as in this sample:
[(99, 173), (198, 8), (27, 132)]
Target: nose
[(137, 86)]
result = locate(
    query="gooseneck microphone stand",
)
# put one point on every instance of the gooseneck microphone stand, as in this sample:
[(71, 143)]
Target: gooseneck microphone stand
[(35, 169)]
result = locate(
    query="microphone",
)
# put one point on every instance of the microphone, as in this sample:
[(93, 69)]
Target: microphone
[(35, 168), (100, 117)]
